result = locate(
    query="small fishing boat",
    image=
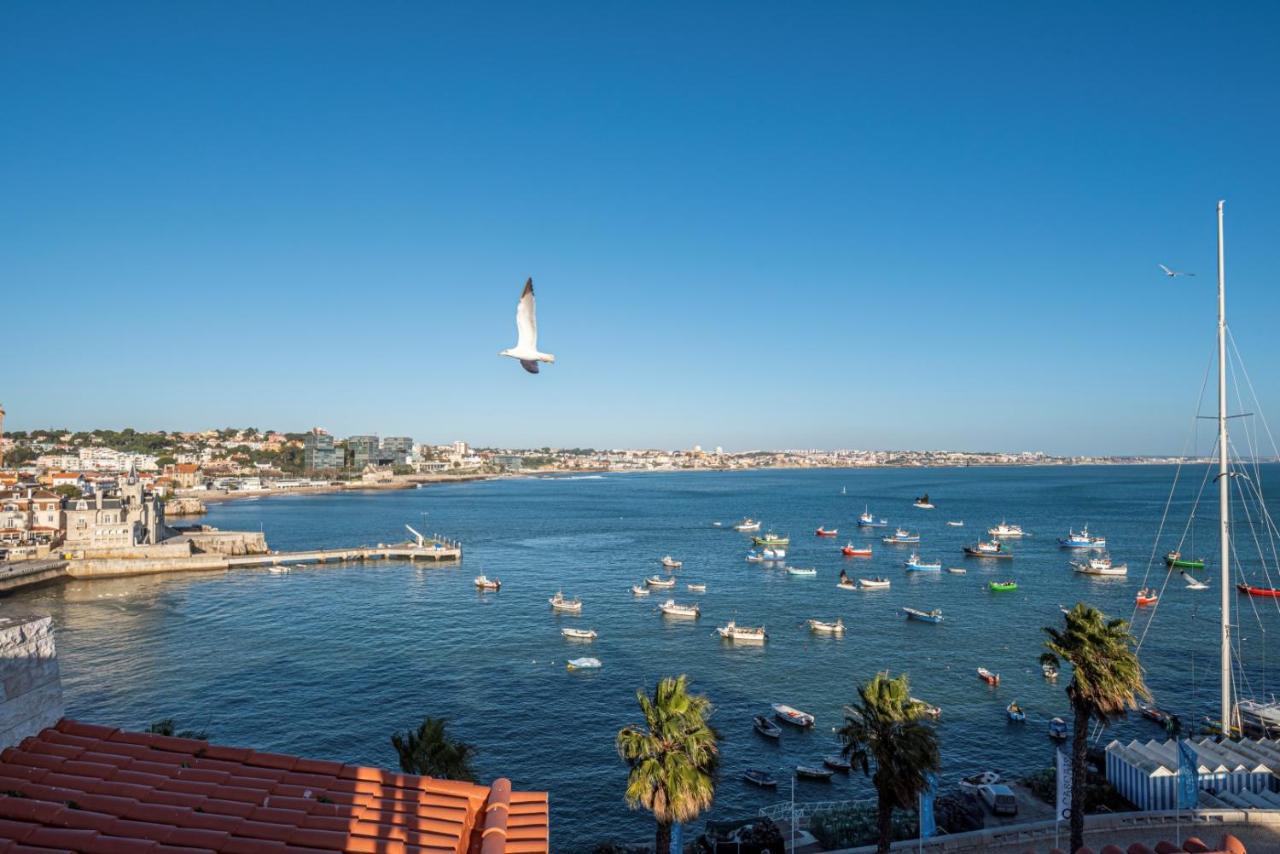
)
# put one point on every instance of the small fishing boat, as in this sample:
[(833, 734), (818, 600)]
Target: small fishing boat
[(757, 777), (846, 584), (1049, 670), (957, 570), (823, 532), (766, 727), (811, 772), (774, 554), (1194, 583), (717, 524), (560, 603), (1146, 596), (823, 627), (790, 715), (1015, 713), (923, 502), (754, 556), (919, 564), (1152, 713), (771, 539), (987, 676), (639, 590), (1058, 730), (1175, 560), (484, 582), (836, 762), (747, 525), (934, 616), (988, 549), (671, 563), (671, 609), (1005, 530), (1258, 591), (661, 583), (900, 537), (734, 632), (973, 783), (1100, 566), (1081, 540), (866, 520), (281, 570), (697, 588), (579, 634), (802, 570), (1002, 586), (955, 523), (873, 583), (850, 550), (583, 664), (927, 710)]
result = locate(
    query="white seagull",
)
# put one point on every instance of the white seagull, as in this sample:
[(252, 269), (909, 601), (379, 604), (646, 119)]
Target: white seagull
[(1172, 273), (526, 349)]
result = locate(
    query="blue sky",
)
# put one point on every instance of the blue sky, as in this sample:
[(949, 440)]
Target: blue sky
[(778, 225)]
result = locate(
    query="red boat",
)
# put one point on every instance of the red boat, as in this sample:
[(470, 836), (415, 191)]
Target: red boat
[(823, 532), (1146, 597), (1259, 591), (850, 551)]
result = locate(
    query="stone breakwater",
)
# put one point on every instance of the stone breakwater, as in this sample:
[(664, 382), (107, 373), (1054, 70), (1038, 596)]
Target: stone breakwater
[(186, 506)]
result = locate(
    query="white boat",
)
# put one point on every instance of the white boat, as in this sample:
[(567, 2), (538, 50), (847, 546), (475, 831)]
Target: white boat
[(824, 627), (928, 710), (1194, 583), (748, 525), (671, 609), (792, 716), (977, 781), (697, 588), (484, 582), (1082, 540), (774, 554), (560, 603), (957, 570), (639, 590), (671, 563), (661, 583), (846, 584), (754, 556), (1004, 529), (277, 570), (734, 632), (873, 583), (1049, 671), (867, 520), (798, 570), (899, 537), (1100, 566), (579, 634), (919, 564), (955, 523), (583, 664)]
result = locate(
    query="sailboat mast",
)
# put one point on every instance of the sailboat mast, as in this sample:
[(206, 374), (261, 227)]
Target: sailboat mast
[(1224, 488)]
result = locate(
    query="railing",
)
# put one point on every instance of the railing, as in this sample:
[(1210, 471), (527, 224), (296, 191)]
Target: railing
[(804, 811)]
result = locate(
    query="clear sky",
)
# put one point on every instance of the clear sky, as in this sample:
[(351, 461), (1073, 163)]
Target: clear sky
[(750, 225)]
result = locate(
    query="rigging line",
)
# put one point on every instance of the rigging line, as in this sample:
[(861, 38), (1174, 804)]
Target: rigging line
[(1257, 403), (1266, 426), (1244, 506), (1265, 515)]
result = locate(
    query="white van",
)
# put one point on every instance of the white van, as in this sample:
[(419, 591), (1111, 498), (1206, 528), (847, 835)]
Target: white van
[(999, 799)]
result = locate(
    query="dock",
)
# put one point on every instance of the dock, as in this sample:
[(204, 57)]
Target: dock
[(433, 552)]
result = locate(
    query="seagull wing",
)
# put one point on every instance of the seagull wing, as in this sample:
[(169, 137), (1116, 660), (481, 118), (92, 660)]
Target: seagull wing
[(1167, 271), (526, 321), (529, 365)]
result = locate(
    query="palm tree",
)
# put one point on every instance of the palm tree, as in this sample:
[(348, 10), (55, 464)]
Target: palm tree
[(429, 751), (886, 729), (1105, 682), (673, 756)]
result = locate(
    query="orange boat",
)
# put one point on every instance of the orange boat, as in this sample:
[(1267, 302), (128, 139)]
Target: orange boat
[(823, 532), (1146, 597), (850, 551), (1259, 591), (987, 676)]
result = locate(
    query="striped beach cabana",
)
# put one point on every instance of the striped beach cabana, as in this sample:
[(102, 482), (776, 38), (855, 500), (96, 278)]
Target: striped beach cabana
[(1147, 773)]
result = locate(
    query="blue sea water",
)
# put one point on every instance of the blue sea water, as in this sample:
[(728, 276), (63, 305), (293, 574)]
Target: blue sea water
[(329, 661)]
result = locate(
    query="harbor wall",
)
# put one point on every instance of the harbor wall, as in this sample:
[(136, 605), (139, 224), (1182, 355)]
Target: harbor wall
[(160, 551), (110, 567), (30, 685), (27, 573)]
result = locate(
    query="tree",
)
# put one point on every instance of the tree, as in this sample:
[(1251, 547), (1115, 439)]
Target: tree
[(673, 756), (68, 490), (886, 729), (429, 751), (1106, 681)]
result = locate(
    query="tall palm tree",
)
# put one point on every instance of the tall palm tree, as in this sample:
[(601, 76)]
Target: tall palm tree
[(429, 751), (885, 729), (1106, 681), (673, 756)]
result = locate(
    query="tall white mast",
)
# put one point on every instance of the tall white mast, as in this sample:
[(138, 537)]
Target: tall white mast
[(1224, 488)]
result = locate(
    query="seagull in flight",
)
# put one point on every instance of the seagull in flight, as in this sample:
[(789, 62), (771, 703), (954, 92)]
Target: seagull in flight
[(526, 349), (1173, 273)]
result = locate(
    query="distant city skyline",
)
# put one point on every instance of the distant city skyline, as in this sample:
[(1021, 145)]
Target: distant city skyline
[(925, 227)]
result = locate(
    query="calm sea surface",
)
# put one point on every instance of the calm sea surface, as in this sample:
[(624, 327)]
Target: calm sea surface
[(329, 661)]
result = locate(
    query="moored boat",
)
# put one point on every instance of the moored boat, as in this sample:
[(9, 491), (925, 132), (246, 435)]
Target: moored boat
[(934, 616), (1082, 540), (766, 727), (560, 603), (1058, 729), (747, 525), (734, 632), (846, 584), (923, 502), (671, 563), (988, 549), (957, 570), (774, 554), (802, 570), (1005, 530), (758, 777), (1100, 566), (824, 627), (672, 609), (1259, 591), (754, 556), (974, 782), (873, 583), (955, 523), (661, 583), (697, 588), (579, 634), (987, 676), (1015, 714), (1002, 586), (1175, 560), (850, 550), (866, 520), (919, 564), (1049, 670), (813, 772), (927, 710), (638, 590), (1146, 596), (484, 582), (823, 532), (900, 537), (771, 539), (583, 664), (836, 762), (790, 715)]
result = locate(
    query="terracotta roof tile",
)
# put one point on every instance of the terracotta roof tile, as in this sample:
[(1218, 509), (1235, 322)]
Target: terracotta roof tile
[(100, 790)]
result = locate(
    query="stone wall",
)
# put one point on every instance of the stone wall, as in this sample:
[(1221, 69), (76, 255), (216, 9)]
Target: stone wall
[(30, 686), (108, 567), (178, 548), (184, 507), (228, 542)]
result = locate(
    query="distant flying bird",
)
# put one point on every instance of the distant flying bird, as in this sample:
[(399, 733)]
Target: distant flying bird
[(1172, 273), (526, 349)]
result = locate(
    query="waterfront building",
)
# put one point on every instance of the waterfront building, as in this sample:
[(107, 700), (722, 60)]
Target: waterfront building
[(318, 452), (29, 517), (362, 451), (508, 462), (397, 450), (125, 516)]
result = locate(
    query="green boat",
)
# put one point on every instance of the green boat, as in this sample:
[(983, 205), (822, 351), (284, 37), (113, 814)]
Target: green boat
[(1175, 560), (771, 539), (1002, 586)]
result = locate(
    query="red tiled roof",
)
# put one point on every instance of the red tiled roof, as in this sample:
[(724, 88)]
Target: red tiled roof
[(80, 787)]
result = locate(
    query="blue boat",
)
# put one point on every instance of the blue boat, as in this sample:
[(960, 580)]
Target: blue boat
[(1015, 713), (1058, 730), (915, 563), (866, 520), (934, 616), (1082, 540)]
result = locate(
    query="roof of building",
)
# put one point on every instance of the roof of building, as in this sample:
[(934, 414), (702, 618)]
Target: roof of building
[(187, 468), (1160, 758), (82, 787)]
